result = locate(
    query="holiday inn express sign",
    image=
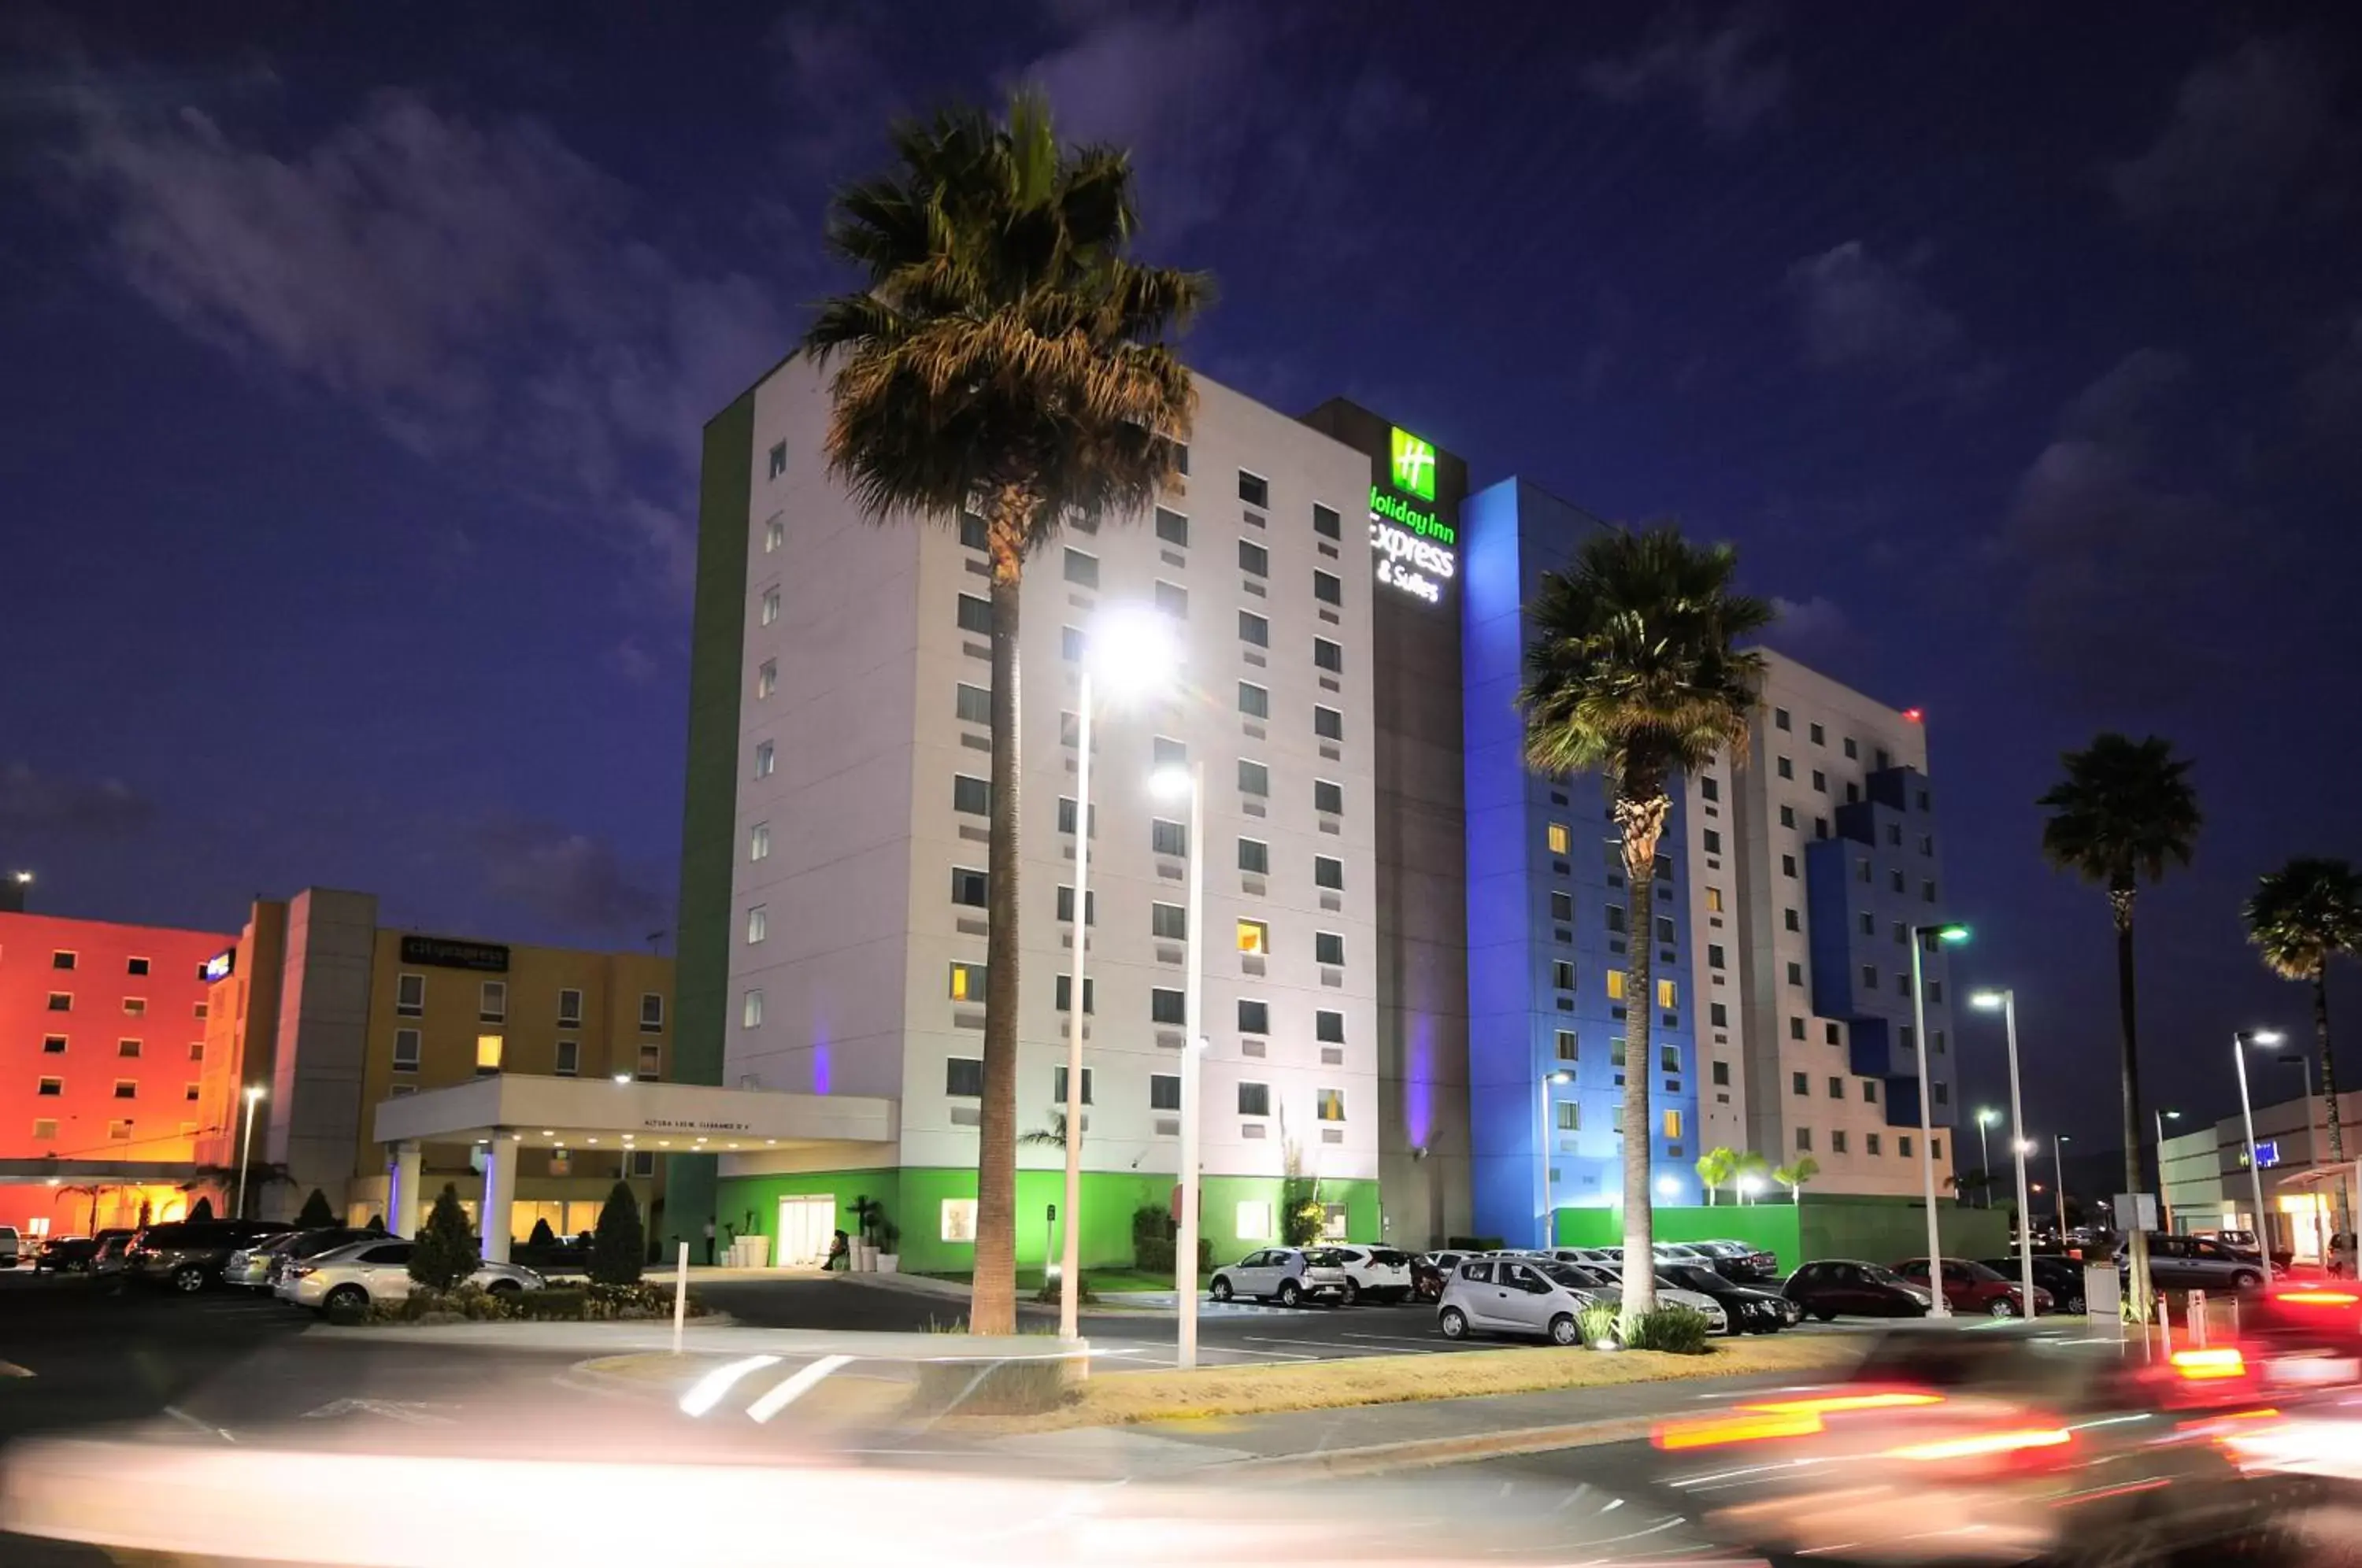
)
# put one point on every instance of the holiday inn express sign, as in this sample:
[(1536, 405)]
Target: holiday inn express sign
[(1415, 548)]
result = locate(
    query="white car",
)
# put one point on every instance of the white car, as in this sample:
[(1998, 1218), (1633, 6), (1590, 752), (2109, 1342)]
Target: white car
[(1670, 1295), (1375, 1274), (1509, 1294), (364, 1272), (1289, 1275)]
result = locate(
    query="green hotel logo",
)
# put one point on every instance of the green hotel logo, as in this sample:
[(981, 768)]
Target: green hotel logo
[(1413, 465)]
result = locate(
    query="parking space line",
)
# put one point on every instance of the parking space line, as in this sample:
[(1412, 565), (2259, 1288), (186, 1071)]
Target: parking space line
[(1428, 1345), (1273, 1354), (1329, 1345)]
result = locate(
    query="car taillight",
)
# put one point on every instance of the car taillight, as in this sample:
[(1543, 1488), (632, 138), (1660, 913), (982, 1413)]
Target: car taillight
[(2209, 1364), (300, 1269), (2318, 1297), (1985, 1445)]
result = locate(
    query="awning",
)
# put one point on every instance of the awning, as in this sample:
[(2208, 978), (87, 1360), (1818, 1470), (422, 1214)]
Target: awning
[(577, 1113)]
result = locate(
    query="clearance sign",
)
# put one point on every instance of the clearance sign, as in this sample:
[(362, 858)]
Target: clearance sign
[(1416, 550)]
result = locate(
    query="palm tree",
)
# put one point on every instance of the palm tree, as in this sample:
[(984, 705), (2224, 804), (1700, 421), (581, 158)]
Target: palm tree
[(1715, 1167), (1003, 355), (2299, 917), (1749, 1168), (2123, 813), (1795, 1173), (1633, 672)]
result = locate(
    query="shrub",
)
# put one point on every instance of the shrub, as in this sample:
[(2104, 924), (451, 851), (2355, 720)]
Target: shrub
[(203, 1209), (445, 1253), (1083, 1293), (550, 1305), (1599, 1326), (619, 1243), (1680, 1330), (315, 1211), (543, 1236)]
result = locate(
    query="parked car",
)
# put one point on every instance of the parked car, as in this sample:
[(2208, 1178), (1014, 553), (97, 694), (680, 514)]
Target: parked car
[(1375, 1274), (2062, 1276), (1429, 1273), (114, 1255), (379, 1270), (188, 1253), (1669, 1293), (1737, 1261), (65, 1254), (1973, 1288), (257, 1267), (1531, 1295), (1848, 1287), (1289, 1275), (10, 1245), (2198, 1262), (1751, 1311)]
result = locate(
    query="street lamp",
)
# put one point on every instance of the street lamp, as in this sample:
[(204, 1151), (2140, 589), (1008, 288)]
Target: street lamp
[(2058, 1185), (1948, 931), (2020, 1145), (245, 1145), (1985, 1119), (2163, 1204), (1168, 783), (2239, 1044), (1542, 1152), (1128, 650)]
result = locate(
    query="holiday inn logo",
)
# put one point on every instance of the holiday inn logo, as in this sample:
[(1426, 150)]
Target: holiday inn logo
[(1413, 468)]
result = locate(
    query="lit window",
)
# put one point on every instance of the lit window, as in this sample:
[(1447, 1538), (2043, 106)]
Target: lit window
[(1330, 1104), (1254, 936), (569, 1058), (758, 923), (1328, 947), (963, 1077), (770, 606), (1558, 837), (750, 1011), (1616, 981), (959, 1220), (1673, 1124), (1669, 994), (967, 982), (758, 841), (1714, 900), (766, 677), (488, 1052), (1169, 923)]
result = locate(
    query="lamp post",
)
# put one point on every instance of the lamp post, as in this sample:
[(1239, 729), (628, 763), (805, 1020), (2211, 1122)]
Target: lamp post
[(1542, 1151), (1985, 1119), (1945, 931), (2020, 1145), (1170, 782), (245, 1145), (1128, 650), (2058, 1183), (2239, 1044), (2163, 1204)]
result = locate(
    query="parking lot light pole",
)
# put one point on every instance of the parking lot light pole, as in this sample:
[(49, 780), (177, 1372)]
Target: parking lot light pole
[(2163, 1204), (1556, 1075), (245, 1147), (2059, 1175), (1948, 931), (2239, 1044), (1985, 1119), (1169, 782), (2020, 1144)]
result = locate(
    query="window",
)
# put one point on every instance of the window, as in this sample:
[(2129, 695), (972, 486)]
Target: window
[(1927, 843), (1561, 905), (1791, 920), (1328, 798), (766, 677), (1328, 723), (1870, 976), (1568, 1046), (1070, 643), (127, 1049), (644, 1162), (1557, 837), (1895, 835), (1669, 1058), (1869, 1091), (1328, 1104), (1254, 701), (1329, 947), (1254, 779), (61, 1001), (1172, 599), (1616, 1052), (61, 960), (1927, 891), (1328, 872), (1168, 922), (1780, 718), (49, 1088), (1935, 1041), (1254, 856), (758, 923), (1895, 881), (1326, 523), (488, 1052), (1254, 1017), (199, 1010), (1562, 974), (1713, 845), (1718, 1015), (1820, 827), (1063, 994), (973, 705), (1081, 567), (778, 460), (766, 759), (1820, 781), (652, 1012), (971, 795), (1163, 1091), (1714, 900), (1253, 488), (1787, 769), (1171, 527), (1166, 1006), (1795, 1027), (1795, 973), (53, 1045), (1254, 936), (1837, 1141), (1328, 656), (1709, 786), (959, 1220), (966, 982), (1254, 1100), (1943, 1094), (1253, 559), (1090, 906), (1672, 1124), (1903, 1144), (1799, 1083), (770, 610), (44, 1127), (963, 1077), (1569, 1116), (1787, 866), (1328, 588), (118, 1131), (1787, 816), (973, 534), (750, 1010), (968, 886), (1837, 1087), (1058, 1086), (1851, 750), (135, 1007), (1165, 752), (1803, 1140), (1328, 1028), (1253, 629), (975, 614), (1254, 1222), (758, 841), (1819, 738), (1669, 994), (493, 1002), (1936, 1148), (1870, 1142), (135, 965), (1167, 838), (1618, 982), (570, 1006), (406, 1050)]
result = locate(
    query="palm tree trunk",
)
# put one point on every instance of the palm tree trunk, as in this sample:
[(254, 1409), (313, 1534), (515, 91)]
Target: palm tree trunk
[(2121, 901), (2329, 1082), (1641, 814), (992, 1298)]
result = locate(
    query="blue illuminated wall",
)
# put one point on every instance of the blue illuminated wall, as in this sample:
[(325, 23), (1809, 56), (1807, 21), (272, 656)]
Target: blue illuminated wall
[(1518, 935)]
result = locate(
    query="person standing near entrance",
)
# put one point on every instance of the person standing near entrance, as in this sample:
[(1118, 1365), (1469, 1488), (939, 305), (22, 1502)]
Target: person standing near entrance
[(709, 1244)]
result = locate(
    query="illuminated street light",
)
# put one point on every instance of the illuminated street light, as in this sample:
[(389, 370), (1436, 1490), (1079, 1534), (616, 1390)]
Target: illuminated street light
[(2006, 1003), (2239, 1044), (1545, 1221), (245, 1145), (1172, 783), (1949, 932)]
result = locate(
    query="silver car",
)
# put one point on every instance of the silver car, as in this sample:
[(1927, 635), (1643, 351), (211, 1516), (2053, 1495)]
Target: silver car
[(379, 1270), (1289, 1275), (1509, 1294), (259, 1266)]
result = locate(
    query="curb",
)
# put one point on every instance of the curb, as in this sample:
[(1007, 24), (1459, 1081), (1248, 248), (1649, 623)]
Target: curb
[(1414, 1454)]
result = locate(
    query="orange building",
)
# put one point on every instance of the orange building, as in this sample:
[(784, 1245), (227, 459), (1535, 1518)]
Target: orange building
[(104, 1042)]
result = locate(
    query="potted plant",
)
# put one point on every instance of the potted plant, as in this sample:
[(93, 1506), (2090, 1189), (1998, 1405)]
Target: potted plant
[(889, 1246), (867, 1211)]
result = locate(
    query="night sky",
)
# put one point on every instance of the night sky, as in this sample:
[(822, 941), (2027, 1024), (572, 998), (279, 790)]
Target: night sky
[(355, 358)]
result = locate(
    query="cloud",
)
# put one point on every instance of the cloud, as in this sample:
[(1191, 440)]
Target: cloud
[(91, 808), (633, 664), (1733, 82), (1857, 310), (470, 281), (2244, 129), (568, 879), (1809, 627)]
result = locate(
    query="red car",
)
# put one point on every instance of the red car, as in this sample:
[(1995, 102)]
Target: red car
[(1972, 1288)]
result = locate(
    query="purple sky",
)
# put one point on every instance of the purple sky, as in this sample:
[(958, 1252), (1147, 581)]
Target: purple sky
[(358, 357)]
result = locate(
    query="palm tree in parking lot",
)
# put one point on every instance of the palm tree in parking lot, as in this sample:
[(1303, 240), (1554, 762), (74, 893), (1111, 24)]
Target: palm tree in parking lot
[(1005, 356), (1715, 1168), (2299, 918), (1633, 672)]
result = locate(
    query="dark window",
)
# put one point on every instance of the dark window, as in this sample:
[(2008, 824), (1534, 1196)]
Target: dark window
[(1561, 905), (1058, 1084), (1328, 588), (1171, 527), (1795, 1029), (1722, 1074), (1779, 718), (968, 886), (1326, 523), (972, 796), (1713, 841), (1167, 838), (1168, 922), (1164, 751), (1709, 786), (1254, 1100), (1254, 779), (1788, 816), (1799, 1084), (1254, 629), (1070, 643), (1818, 738), (1665, 931), (1833, 1034), (1254, 856), (1328, 798), (1328, 947), (1066, 905), (1328, 656), (1253, 559), (1066, 816), (1714, 956), (1328, 1028), (1165, 1006), (1254, 1017), (1328, 872), (139, 965), (1718, 1015), (1065, 1002), (1253, 488), (1562, 974), (1163, 1091), (963, 1077), (1082, 568), (1255, 702), (1329, 724), (974, 705), (972, 531), (1837, 1088), (975, 614)]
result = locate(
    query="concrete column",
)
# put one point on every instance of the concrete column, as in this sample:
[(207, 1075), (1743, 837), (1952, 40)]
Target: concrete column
[(402, 1191), (500, 1191)]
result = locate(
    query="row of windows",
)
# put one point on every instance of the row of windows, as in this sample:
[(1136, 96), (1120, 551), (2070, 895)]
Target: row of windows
[(1567, 1115), (1669, 1057), (1781, 720), (69, 958), (124, 1089), (972, 888), (972, 797), (133, 1007), (45, 1129), (1168, 922), (55, 1045), (493, 1002), (491, 1048), (964, 1079), (1619, 984), (1871, 1143)]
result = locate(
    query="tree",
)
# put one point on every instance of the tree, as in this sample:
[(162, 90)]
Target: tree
[(1795, 1173), (1633, 673), (619, 1246), (1003, 355), (1749, 1170), (1715, 1168), (2301, 916), (202, 1209), (444, 1253), (2121, 815), (315, 1211)]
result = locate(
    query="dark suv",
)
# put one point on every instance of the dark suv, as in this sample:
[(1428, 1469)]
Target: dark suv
[(188, 1253)]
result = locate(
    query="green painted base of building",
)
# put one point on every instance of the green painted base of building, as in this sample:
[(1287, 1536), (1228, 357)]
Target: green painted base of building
[(923, 1202), (1875, 1230)]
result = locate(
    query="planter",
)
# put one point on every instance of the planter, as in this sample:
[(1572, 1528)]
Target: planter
[(865, 1258), (889, 1263)]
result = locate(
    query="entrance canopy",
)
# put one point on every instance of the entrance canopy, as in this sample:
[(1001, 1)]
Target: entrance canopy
[(600, 1113)]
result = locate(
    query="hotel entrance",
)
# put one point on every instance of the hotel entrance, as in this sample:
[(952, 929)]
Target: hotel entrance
[(807, 1225)]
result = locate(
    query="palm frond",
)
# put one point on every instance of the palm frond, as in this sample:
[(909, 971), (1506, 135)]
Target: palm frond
[(2124, 814), (2304, 913)]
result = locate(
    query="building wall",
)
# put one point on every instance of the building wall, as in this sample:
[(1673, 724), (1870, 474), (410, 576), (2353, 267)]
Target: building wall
[(241, 1029)]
